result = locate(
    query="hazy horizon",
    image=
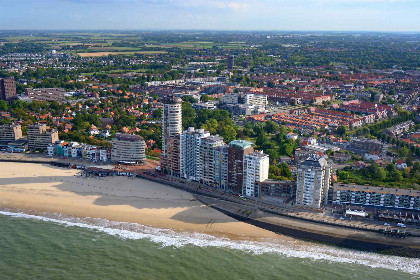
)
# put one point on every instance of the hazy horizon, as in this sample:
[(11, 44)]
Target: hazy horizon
[(219, 15)]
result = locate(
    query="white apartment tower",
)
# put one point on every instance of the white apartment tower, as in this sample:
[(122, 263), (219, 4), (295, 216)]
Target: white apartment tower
[(208, 168), (256, 165), (190, 152), (313, 182), (171, 133)]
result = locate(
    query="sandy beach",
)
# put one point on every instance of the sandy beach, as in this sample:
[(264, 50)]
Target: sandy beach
[(44, 188)]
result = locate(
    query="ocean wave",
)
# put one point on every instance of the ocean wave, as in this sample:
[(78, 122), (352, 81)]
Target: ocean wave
[(167, 237)]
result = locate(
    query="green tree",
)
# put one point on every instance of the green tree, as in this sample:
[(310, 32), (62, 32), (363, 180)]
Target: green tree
[(391, 167), (377, 172), (3, 105), (271, 127), (403, 152), (396, 176), (286, 149), (342, 175), (188, 115), (228, 133), (342, 130), (157, 114), (211, 126), (204, 98), (285, 171), (261, 139), (409, 161), (416, 166)]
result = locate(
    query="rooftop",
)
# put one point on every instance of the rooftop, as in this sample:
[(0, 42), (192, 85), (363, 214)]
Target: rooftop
[(240, 144), (170, 99), (384, 190), (314, 162), (128, 137)]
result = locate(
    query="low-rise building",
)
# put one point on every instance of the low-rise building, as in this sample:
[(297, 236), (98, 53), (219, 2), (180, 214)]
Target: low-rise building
[(399, 129), (46, 94), (275, 188), (230, 98), (259, 101), (376, 196), (363, 146), (128, 148)]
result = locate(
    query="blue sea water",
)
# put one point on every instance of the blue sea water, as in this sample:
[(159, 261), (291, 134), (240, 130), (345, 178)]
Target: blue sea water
[(58, 247)]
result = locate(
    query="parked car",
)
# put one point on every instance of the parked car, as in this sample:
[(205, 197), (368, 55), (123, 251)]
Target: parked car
[(386, 224), (401, 225)]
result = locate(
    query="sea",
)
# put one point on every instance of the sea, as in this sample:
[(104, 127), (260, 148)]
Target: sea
[(53, 246)]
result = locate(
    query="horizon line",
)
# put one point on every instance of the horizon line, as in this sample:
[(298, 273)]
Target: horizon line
[(213, 30)]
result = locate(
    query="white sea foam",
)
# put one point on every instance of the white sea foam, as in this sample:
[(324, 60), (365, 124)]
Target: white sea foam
[(167, 237)]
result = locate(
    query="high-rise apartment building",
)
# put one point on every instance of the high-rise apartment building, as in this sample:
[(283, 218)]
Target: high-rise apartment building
[(10, 132), (256, 166), (236, 153), (128, 148), (190, 152), (209, 170), (313, 182), (171, 133), (7, 89), (230, 62), (221, 166), (39, 137)]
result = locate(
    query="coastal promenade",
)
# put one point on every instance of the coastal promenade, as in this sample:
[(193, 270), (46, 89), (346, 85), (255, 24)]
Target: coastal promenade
[(299, 223)]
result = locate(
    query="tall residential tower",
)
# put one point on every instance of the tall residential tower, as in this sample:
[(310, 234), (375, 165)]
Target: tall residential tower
[(313, 182), (190, 152), (236, 153), (256, 167), (7, 89), (171, 132)]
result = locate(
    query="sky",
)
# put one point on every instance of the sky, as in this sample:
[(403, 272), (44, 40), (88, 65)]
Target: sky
[(281, 15)]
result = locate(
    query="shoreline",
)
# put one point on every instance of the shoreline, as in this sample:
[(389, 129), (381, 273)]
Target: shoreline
[(44, 188), (268, 226)]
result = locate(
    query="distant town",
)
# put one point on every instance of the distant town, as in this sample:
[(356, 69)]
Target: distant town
[(326, 124)]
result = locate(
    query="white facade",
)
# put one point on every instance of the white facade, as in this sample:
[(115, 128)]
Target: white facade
[(190, 152), (313, 182), (256, 167), (221, 166), (259, 101), (207, 167), (128, 148), (171, 133), (103, 155), (50, 150), (75, 152)]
